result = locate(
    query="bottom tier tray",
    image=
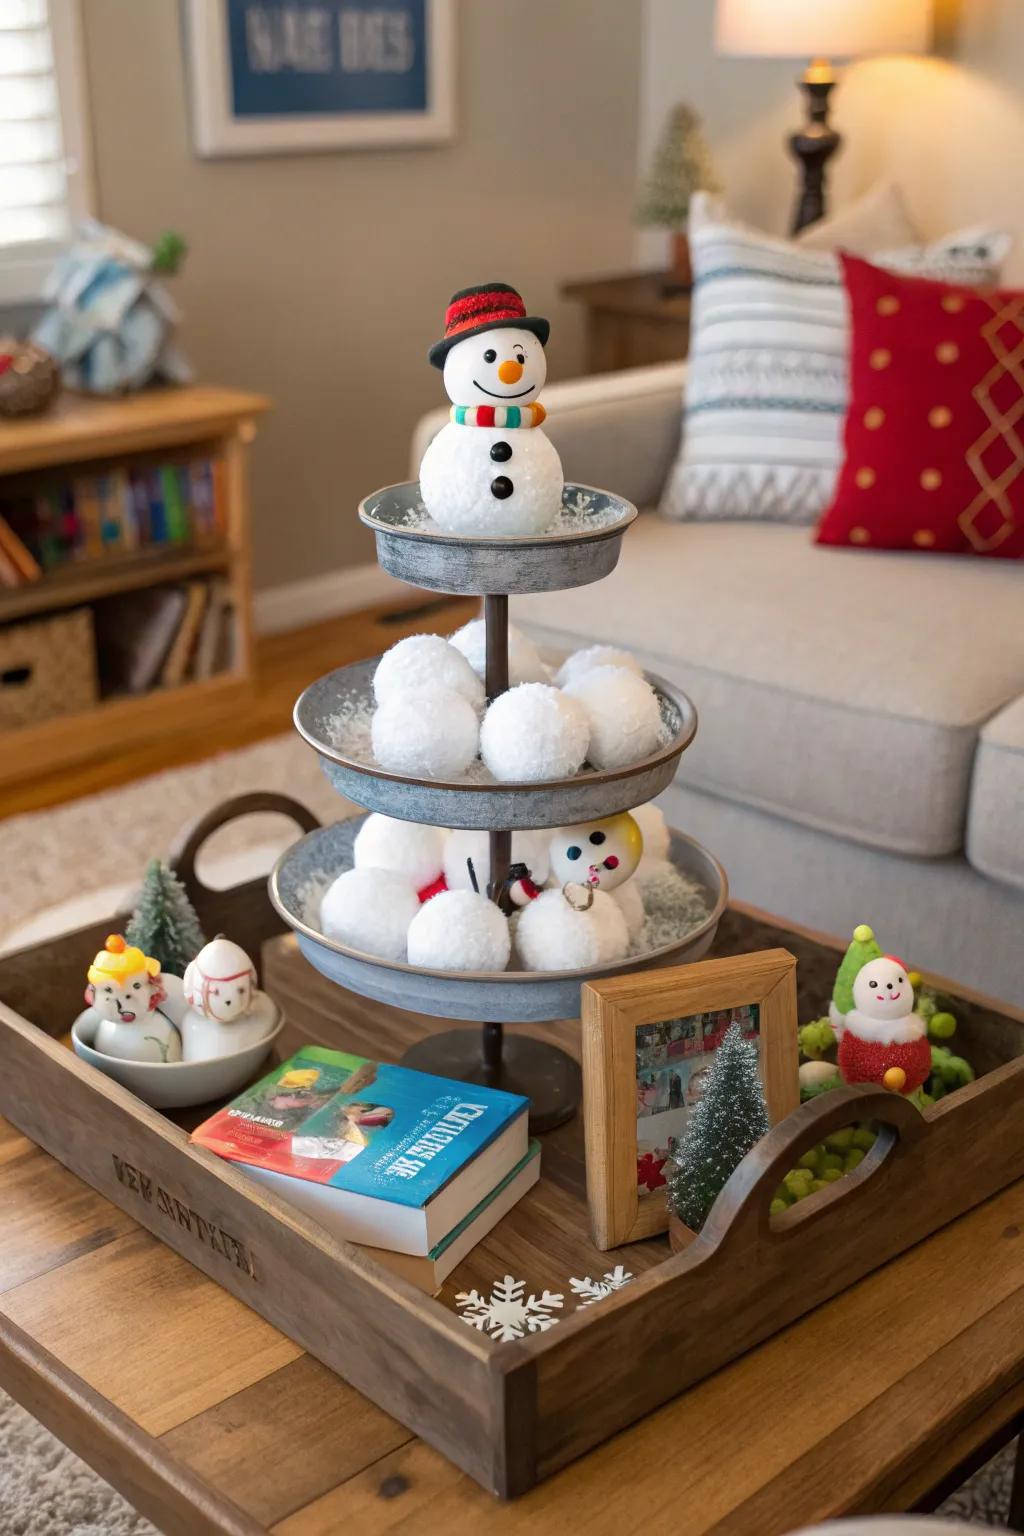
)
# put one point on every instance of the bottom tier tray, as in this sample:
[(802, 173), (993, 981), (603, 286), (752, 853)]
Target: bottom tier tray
[(507, 997)]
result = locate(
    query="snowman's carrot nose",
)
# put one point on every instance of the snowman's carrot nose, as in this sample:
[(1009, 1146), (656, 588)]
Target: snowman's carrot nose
[(510, 372)]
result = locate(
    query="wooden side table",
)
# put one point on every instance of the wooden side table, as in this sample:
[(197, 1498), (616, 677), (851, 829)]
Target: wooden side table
[(632, 320)]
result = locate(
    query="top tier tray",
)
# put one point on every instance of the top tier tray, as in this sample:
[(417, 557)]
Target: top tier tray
[(582, 546)]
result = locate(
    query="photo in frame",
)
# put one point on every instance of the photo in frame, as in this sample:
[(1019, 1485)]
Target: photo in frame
[(648, 1041), (291, 76)]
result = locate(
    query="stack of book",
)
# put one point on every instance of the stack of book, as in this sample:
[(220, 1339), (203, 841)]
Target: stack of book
[(415, 1167), (164, 636), (46, 524)]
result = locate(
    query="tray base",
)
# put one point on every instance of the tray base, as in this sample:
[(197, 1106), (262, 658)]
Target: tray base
[(515, 1063)]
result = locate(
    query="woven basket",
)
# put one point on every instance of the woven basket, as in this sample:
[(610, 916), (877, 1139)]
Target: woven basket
[(47, 668)]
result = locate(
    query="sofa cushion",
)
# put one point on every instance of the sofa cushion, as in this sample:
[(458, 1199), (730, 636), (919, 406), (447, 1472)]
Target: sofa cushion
[(842, 692), (767, 384), (995, 819)]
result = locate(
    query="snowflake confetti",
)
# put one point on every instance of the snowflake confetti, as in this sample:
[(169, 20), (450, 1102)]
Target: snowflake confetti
[(588, 1291), (508, 1313)]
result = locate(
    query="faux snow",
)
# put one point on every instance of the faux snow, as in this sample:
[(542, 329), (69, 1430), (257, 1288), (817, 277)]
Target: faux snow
[(408, 848), (581, 662), (426, 661), (578, 514), (533, 733), (674, 905), (524, 663), (622, 712), (431, 734), (529, 848), (370, 910), (459, 931), (552, 935)]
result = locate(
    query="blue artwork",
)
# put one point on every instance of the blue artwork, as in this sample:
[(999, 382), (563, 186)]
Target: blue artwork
[(327, 57)]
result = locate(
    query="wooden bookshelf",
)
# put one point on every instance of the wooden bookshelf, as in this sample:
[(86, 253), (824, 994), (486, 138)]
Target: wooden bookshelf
[(79, 431)]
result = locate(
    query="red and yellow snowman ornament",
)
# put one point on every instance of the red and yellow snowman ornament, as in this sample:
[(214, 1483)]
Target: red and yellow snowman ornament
[(881, 1038)]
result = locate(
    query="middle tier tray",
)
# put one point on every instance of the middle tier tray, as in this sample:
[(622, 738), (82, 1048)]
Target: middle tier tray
[(333, 716), (505, 997)]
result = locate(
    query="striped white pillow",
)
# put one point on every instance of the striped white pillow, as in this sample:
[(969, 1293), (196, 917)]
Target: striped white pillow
[(766, 385)]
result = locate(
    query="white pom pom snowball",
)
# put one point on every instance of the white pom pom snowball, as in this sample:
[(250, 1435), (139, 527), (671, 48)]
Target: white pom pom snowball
[(370, 910), (529, 848), (426, 661), (407, 847), (631, 904), (551, 935), (532, 733), (581, 662), (622, 712), (430, 735), (459, 931), (651, 821), (524, 663)]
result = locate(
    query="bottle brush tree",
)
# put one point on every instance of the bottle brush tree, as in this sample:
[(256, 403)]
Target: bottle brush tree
[(164, 923), (724, 1125), (682, 166)]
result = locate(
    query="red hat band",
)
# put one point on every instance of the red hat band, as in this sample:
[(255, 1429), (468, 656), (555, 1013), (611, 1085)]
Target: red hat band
[(477, 310)]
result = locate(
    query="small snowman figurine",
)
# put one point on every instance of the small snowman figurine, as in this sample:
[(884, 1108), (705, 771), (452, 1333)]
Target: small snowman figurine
[(492, 470), (226, 1010), (603, 854), (129, 1003), (883, 1040)]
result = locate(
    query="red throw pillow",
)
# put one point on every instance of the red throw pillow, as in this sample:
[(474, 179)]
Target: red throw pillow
[(933, 435)]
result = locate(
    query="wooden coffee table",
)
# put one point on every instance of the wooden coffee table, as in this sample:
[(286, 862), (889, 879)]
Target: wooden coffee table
[(209, 1420)]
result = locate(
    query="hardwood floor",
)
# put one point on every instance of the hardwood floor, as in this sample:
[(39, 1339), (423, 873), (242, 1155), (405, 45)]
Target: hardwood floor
[(284, 665)]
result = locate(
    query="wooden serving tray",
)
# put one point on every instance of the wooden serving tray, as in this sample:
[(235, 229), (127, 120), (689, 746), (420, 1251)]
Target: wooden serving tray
[(509, 1414)]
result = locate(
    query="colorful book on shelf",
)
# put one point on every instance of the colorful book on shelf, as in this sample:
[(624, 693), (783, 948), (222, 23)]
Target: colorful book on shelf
[(377, 1153), (431, 1270), (18, 553)]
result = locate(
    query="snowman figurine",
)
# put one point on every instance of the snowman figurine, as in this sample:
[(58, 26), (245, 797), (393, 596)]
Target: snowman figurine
[(884, 1041), (492, 470), (603, 853), (135, 1010), (226, 1010)]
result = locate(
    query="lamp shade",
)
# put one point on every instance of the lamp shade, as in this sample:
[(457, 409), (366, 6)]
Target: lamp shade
[(799, 29)]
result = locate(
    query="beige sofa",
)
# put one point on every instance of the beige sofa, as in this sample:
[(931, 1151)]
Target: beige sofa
[(860, 755)]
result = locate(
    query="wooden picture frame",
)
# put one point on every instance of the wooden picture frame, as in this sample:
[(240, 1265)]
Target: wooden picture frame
[(614, 1011), (343, 74)]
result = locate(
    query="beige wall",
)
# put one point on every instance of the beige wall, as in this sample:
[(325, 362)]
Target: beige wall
[(322, 279), (950, 129)]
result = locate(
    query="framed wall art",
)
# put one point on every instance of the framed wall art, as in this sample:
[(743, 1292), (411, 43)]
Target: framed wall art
[(289, 76), (648, 1040)]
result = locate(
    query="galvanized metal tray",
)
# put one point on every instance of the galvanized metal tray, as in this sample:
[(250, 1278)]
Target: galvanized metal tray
[(502, 997), (582, 546), (478, 801)]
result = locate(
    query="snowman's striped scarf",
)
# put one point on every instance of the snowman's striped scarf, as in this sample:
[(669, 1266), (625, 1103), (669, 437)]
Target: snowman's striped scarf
[(498, 415)]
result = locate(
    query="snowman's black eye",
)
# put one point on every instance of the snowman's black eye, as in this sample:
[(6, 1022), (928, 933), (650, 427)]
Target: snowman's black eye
[(597, 837), (520, 357), (573, 852), (490, 355), (872, 983), (136, 985)]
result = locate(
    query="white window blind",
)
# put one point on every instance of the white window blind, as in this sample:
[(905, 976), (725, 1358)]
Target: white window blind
[(42, 138)]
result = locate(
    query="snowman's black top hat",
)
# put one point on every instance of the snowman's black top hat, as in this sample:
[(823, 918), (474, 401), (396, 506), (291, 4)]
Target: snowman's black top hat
[(490, 307)]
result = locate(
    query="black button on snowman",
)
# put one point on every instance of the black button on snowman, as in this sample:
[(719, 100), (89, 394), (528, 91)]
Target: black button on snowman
[(492, 356)]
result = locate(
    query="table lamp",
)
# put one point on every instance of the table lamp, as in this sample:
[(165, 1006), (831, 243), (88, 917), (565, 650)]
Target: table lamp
[(821, 30)]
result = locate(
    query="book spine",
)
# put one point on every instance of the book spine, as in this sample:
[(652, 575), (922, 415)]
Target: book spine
[(158, 530), (126, 512), (111, 533), (18, 553)]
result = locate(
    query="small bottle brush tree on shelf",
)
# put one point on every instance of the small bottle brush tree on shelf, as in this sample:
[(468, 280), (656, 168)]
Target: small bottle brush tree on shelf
[(164, 923), (729, 1120), (682, 166)]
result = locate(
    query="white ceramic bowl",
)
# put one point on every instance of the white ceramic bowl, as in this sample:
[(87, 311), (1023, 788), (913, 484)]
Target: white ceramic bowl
[(176, 1084)]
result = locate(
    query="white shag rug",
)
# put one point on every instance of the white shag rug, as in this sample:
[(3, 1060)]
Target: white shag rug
[(44, 1489)]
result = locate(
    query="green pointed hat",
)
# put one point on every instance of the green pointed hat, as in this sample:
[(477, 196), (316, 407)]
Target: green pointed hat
[(862, 948)]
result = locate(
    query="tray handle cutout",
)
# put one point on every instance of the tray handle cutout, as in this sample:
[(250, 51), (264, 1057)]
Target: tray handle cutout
[(212, 906), (740, 1214)]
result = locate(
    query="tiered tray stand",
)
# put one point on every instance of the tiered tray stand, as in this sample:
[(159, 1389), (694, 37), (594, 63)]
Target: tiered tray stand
[(583, 549)]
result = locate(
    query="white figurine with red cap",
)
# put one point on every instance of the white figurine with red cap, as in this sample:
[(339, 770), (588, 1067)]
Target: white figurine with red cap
[(492, 469), (226, 1011)]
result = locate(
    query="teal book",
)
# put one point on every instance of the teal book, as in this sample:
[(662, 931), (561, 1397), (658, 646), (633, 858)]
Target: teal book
[(378, 1153)]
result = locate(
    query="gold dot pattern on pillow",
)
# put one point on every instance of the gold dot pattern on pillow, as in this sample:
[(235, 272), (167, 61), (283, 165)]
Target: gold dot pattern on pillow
[(865, 477), (880, 358), (874, 417), (940, 416)]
